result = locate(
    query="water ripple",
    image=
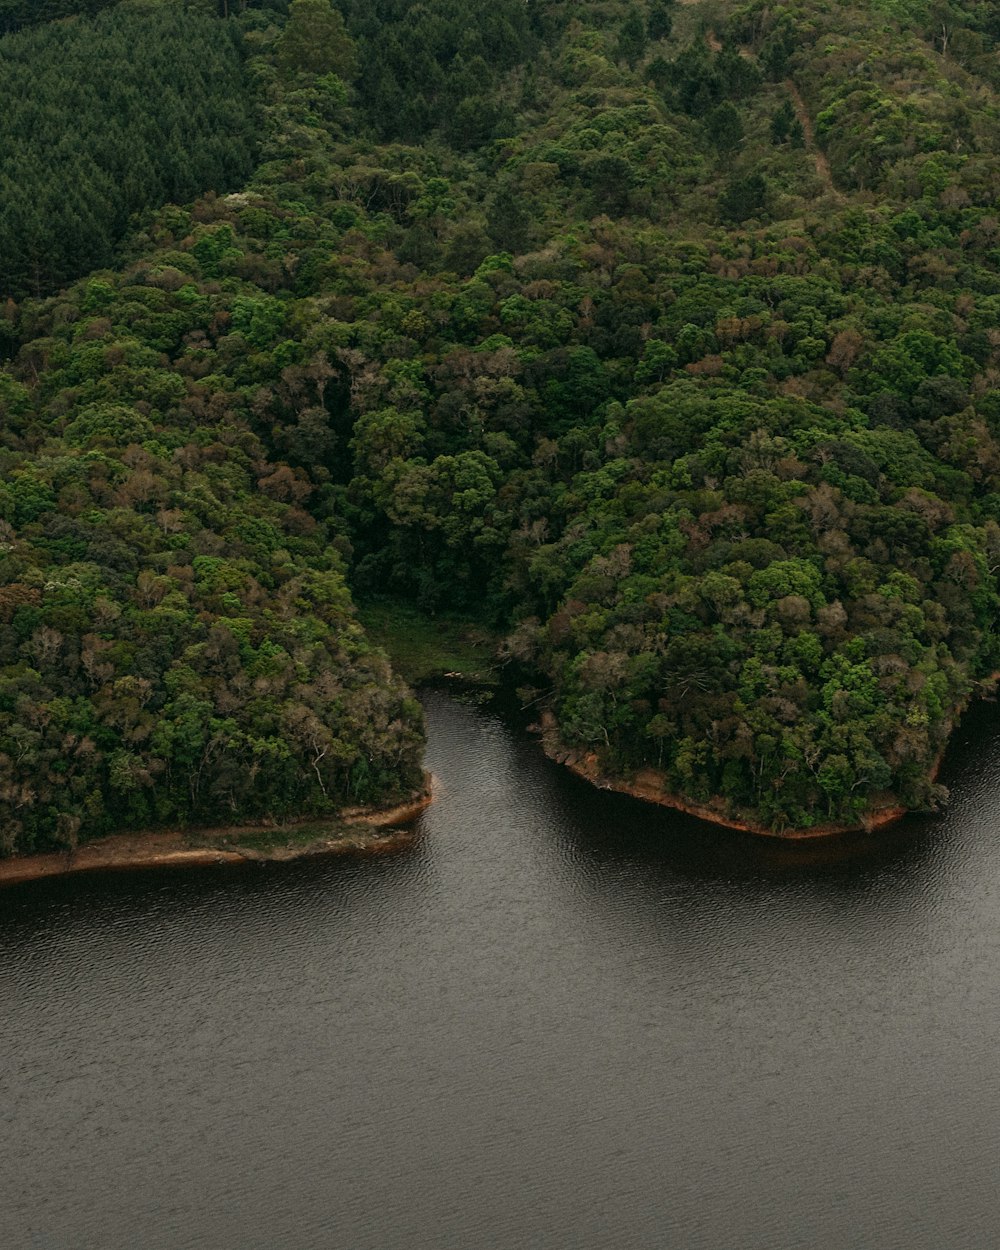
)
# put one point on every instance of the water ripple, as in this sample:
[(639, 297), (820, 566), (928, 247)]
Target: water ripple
[(562, 1019)]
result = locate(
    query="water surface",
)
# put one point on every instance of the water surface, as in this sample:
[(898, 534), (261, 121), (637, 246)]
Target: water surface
[(564, 1019)]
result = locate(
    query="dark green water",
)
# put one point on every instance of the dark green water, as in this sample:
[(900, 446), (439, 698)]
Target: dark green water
[(563, 1020)]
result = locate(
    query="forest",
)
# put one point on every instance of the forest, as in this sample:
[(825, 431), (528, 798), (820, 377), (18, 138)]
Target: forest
[(662, 338), (88, 142)]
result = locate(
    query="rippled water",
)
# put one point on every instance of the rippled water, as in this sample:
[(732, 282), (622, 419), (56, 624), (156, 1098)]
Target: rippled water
[(563, 1020)]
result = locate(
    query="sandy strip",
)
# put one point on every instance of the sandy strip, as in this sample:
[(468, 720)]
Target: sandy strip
[(357, 831)]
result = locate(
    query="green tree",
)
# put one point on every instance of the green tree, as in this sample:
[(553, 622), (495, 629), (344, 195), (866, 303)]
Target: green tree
[(743, 197), (660, 20), (315, 41), (632, 39), (724, 128), (781, 122)]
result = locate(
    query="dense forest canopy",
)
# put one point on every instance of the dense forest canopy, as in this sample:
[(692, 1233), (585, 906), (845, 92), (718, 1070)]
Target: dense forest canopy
[(103, 118), (666, 337), (17, 14)]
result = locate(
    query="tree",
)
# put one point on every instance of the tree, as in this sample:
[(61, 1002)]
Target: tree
[(660, 21), (315, 41), (743, 198), (781, 122), (725, 130), (508, 219), (631, 39)]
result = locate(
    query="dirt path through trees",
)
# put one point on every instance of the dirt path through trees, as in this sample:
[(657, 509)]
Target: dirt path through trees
[(820, 161), (818, 155)]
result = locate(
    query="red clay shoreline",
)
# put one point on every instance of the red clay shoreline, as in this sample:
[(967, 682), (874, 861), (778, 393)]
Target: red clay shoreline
[(358, 829), (647, 785), (354, 830)]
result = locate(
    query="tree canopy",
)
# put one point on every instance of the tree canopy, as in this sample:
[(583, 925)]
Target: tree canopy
[(669, 348)]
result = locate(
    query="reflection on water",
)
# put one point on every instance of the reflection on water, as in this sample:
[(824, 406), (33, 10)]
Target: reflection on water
[(562, 1019)]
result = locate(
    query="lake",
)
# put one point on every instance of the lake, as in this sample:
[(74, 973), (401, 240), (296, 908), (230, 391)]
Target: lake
[(562, 1019)]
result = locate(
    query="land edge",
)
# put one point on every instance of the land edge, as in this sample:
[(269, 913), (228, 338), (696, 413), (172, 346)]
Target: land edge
[(353, 830), (647, 785)]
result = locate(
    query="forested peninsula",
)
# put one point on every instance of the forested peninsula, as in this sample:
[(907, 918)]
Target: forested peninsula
[(661, 339)]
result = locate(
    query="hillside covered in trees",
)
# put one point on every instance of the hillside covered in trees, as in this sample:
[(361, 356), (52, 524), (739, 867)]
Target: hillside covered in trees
[(665, 337)]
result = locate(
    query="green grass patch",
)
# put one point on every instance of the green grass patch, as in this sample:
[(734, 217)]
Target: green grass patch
[(423, 647), (275, 838), (300, 835)]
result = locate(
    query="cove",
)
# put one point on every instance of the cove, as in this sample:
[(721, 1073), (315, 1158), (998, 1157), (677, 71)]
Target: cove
[(560, 1018)]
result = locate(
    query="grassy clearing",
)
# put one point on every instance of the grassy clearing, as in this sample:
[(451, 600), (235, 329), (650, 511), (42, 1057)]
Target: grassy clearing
[(293, 841), (423, 647)]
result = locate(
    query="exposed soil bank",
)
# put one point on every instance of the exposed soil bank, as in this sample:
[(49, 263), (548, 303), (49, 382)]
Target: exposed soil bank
[(647, 784), (355, 830)]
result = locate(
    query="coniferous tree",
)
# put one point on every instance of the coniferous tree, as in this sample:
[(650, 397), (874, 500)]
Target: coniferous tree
[(315, 41), (660, 21), (725, 130), (87, 145), (632, 38)]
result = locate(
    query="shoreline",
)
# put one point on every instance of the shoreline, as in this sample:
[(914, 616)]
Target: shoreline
[(354, 830), (647, 786)]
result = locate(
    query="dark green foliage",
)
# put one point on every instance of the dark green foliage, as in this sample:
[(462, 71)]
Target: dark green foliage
[(700, 78), (508, 220), (696, 82), (437, 65), (16, 14), (724, 128), (743, 198), (660, 21), (105, 117), (632, 38), (782, 122)]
